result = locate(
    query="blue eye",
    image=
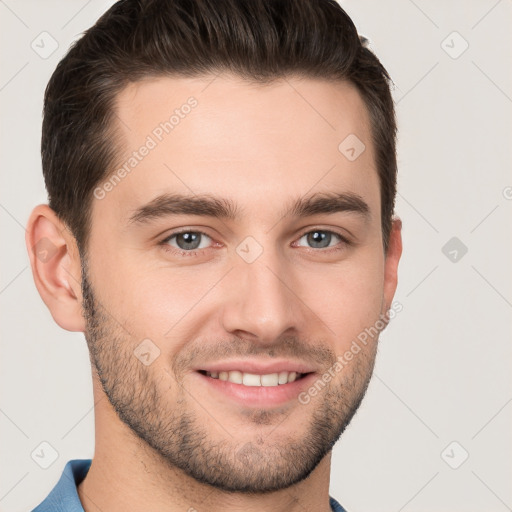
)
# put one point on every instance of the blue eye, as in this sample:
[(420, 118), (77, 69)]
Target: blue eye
[(190, 243), (187, 240), (320, 239)]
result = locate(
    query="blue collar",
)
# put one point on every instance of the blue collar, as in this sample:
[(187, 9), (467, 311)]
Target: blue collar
[(64, 496)]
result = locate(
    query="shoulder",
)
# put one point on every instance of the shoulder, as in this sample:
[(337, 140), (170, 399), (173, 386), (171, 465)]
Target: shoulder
[(64, 496)]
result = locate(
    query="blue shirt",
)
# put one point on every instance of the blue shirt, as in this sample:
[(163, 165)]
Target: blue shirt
[(64, 496)]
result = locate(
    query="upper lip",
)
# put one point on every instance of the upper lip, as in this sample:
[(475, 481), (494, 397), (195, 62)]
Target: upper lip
[(257, 366)]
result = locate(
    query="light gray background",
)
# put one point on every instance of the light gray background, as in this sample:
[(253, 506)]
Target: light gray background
[(444, 364)]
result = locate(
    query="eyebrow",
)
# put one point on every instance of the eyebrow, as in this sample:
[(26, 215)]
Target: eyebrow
[(222, 208)]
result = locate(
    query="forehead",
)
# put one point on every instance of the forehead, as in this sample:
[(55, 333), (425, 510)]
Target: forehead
[(255, 143)]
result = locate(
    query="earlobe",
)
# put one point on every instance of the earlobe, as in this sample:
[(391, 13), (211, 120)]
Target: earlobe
[(56, 268), (393, 254)]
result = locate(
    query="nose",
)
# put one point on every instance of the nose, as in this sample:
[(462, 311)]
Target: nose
[(261, 301)]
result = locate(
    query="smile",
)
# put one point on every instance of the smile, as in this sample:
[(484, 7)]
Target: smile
[(254, 379)]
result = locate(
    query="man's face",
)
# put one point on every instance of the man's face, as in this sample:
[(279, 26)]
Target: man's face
[(261, 296)]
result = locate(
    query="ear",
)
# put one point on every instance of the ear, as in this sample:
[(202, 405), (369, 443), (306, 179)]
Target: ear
[(56, 268), (393, 254)]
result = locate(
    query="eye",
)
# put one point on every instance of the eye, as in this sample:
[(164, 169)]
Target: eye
[(187, 240), (322, 239)]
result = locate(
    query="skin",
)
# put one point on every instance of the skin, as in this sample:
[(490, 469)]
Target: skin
[(261, 147)]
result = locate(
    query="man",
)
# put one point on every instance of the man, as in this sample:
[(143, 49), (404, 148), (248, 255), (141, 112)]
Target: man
[(221, 180)]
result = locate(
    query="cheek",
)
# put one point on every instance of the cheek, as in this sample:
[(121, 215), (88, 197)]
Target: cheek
[(348, 299), (158, 302)]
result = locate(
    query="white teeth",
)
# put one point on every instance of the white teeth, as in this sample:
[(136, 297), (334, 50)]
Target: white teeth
[(283, 377), (236, 377), (272, 379), (252, 379)]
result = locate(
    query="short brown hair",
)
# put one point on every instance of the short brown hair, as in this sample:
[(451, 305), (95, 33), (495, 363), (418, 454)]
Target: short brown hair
[(258, 40)]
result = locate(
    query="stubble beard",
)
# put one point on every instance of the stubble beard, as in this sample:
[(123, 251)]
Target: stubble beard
[(183, 440)]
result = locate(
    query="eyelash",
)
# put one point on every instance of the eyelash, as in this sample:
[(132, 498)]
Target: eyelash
[(192, 253), (181, 252)]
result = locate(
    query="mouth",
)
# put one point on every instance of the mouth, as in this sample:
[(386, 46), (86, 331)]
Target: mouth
[(250, 384), (255, 379)]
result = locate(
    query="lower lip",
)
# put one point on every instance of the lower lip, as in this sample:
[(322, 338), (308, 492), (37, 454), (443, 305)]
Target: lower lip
[(259, 396)]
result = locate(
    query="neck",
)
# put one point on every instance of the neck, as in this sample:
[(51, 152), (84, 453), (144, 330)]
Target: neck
[(126, 474)]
